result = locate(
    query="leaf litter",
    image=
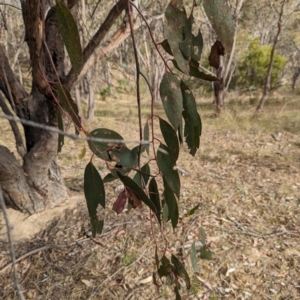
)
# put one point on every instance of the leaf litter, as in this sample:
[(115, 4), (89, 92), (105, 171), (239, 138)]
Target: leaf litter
[(247, 186)]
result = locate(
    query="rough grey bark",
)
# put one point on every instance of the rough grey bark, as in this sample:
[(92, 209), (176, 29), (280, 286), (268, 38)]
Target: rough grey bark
[(37, 184)]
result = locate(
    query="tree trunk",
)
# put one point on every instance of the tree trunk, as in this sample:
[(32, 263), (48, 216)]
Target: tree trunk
[(219, 87), (37, 184), (267, 83)]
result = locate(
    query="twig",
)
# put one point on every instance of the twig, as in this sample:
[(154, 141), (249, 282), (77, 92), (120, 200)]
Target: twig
[(137, 65), (118, 271), (46, 247), (11, 246)]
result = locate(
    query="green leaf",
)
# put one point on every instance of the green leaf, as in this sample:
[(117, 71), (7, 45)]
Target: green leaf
[(129, 183), (194, 71), (170, 138), (154, 197), (136, 151), (101, 148), (175, 218), (220, 17), (171, 96), (176, 21), (165, 212), (97, 225), (69, 105), (94, 194), (166, 46), (197, 46), (193, 256), (176, 290), (166, 165), (113, 150), (69, 31), (143, 173), (186, 46), (193, 125), (205, 253), (146, 137), (60, 126), (192, 211), (109, 178), (181, 271), (171, 201)]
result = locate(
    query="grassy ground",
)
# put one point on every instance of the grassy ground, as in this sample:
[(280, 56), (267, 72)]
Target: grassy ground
[(246, 179)]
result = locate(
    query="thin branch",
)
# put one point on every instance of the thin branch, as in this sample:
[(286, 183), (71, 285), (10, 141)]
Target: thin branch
[(11, 246), (10, 5), (137, 65), (18, 137), (97, 39)]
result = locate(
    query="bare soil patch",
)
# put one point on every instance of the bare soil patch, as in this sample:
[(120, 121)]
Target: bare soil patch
[(246, 179)]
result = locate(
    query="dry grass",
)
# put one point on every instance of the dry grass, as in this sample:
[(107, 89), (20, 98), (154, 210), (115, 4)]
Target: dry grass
[(246, 179)]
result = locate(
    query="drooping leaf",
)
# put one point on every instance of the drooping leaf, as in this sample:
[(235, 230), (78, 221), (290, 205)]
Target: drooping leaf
[(171, 202), (69, 105), (221, 19), (205, 253), (176, 290), (146, 137), (93, 188), (114, 149), (82, 153), (165, 268), (94, 194), (69, 31), (166, 46), (186, 46), (192, 211), (197, 46), (175, 217), (101, 148), (176, 20), (133, 186), (120, 203), (193, 256), (193, 125), (165, 212), (171, 96), (143, 173), (170, 199), (166, 165), (97, 225), (109, 177), (60, 126), (154, 197), (195, 72), (181, 271), (170, 138)]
